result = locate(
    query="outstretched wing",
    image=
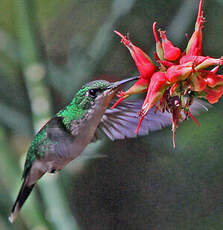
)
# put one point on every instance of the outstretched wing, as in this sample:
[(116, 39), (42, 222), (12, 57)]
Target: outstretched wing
[(121, 122)]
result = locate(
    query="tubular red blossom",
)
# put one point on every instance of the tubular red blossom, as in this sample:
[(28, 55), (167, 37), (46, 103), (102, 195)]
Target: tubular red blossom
[(157, 86), (171, 53), (156, 89), (192, 58), (179, 72), (143, 62), (200, 18), (198, 82), (201, 62), (167, 64), (194, 46), (213, 95), (214, 80), (139, 87), (209, 62), (159, 48), (144, 65)]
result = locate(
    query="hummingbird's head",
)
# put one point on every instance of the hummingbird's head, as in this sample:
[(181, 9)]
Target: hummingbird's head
[(93, 96), (100, 91)]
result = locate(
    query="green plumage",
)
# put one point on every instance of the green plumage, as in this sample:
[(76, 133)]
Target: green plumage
[(65, 136), (75, 110), (80, 103), (37, 148)]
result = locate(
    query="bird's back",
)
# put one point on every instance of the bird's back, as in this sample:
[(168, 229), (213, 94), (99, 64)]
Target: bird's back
[(52, 142)]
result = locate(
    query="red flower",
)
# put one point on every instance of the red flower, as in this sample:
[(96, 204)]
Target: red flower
[(176, 76), (193, 58), (157, 86), (144, 65), (143, 62), (159, 47), (171, 52), (165, 50), (179, 72), (209, 62), (156, 89), (213, 80), (165, 63), (194, 46), (198, 82), (213, 95), (139, 87)]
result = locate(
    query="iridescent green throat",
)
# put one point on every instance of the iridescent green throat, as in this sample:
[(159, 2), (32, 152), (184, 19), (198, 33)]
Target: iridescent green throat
[(82, 102), (74, 111)]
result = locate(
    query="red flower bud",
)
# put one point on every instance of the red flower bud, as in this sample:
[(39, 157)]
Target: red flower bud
[(192, 58), (209, 62), (198, 82), (171, 53), (139, 87), (159, 48), (201, 62), (213, 95), (167, 64), (156, 89), (214, 80), (194, 46), (179, 72), (143, 62)]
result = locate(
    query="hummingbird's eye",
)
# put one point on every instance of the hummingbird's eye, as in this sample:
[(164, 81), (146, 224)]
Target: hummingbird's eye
[(92, 92)]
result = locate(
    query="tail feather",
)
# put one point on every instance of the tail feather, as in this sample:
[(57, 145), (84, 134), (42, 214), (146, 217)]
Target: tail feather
[(24, 192)]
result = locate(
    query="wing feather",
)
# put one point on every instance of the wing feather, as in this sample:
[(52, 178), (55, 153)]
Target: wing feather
[(121, 122)]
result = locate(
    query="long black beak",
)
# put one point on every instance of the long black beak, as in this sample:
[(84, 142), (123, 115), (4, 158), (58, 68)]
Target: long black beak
[(122, 82)]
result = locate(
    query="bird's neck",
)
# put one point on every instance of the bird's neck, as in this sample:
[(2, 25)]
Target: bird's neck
[(72, 112)]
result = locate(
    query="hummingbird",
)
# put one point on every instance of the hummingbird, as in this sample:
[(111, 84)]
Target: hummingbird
[(87, 118)]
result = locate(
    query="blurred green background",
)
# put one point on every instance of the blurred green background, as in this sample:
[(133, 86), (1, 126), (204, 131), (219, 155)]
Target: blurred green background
[(48, 49)]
